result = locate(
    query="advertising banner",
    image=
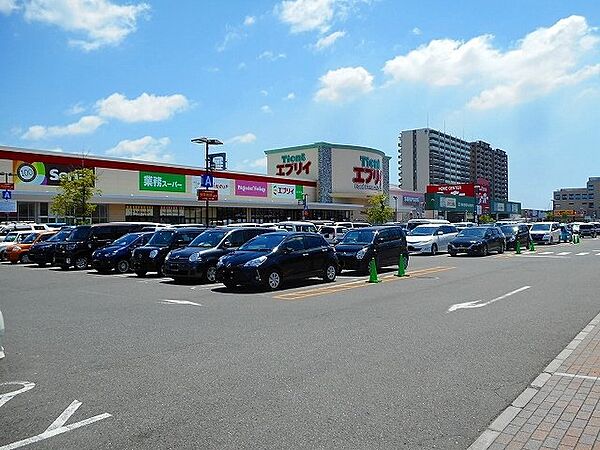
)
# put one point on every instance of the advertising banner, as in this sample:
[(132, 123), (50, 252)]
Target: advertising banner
[(161, 182), (139, 210), (39, 173), (356, 172), (412, 199), (208, 194), (483, 195), (466, 189), (223, 185), (251, 188), (283, 191), (8, 206), (440, 202), (294, 164)]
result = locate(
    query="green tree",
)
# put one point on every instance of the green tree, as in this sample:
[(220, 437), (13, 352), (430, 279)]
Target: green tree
[(486, 218), (378, 210), (75, 193)]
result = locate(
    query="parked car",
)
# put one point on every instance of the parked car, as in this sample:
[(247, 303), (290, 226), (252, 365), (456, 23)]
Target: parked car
[(117, 255), (333, 234), (414, 223), (271, 259), (477, 241), (151, 257), (20, 226), (352, 224), (19, 253), (462, 225), (516, 233), (297, 226), (385, 244), (546, 232), (587, 230), (566, 235), (430, 238), (199, 259), (77, 249), (12, 238), (42, 252)]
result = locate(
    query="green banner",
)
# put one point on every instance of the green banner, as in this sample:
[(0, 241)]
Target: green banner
[(162, 182), (440, 202), (299, 192)]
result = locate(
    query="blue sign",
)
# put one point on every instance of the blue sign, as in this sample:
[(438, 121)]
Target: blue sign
[(207, 181), (6, 195)]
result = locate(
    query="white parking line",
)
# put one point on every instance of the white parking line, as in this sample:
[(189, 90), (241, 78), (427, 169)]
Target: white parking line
[(563, 253), (545, 253), (582, 254)]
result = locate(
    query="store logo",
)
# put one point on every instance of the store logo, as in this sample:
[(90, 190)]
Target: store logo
[(368, 175), (26, 172), (33, 173), (293, 164)]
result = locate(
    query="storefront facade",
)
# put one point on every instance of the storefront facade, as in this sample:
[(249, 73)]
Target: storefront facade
[(158, 192)]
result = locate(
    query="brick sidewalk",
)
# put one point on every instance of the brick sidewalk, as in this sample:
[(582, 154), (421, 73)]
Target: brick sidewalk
[(561, 407)]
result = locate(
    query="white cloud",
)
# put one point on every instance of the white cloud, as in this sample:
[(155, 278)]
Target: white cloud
[(75, 109), (264, 92), (270, 56), (290, 96), (145, 108), (259, 163), (249, 21), (85, 125), (417, 31), (540, 63), (306, 15), (8, 6), (146, 148), (266, 109), (247, 138), (231, 35), (329, 40), (344, 84), (100, 21)]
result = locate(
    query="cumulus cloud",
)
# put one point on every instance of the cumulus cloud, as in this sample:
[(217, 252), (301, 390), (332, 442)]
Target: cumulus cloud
[(270, 56), (85, 125), (259, 163), (145, 108), (266, 109), (75, 109), (417, 31), (101, 22), (306, 15), (146, 148), (343, 84), (247, 138), (290, 96), (8, 6), (249, 21), (544, 60), (329, 40)]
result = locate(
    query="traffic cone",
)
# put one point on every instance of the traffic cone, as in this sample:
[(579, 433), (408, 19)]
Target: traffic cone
[(518, 247), (578, 239), (531, 247), (401, 272), (373, 272)]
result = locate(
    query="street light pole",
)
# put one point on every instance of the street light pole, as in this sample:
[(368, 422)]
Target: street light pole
[(6, 175), (207, 168), (395, 208)]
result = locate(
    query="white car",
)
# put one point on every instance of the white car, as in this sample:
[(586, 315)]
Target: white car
[(430, 238), (333, 234), (545, 233), (14, 237), (6, 229), (297, 226)]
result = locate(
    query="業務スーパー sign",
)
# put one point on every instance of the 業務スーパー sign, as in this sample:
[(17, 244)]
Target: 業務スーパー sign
[(162, 182)]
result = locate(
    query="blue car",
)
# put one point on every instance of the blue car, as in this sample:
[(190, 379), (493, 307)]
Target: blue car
[(117, 256)]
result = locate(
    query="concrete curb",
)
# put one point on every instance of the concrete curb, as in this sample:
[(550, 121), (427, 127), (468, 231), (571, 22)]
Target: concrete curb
[(487, 438)]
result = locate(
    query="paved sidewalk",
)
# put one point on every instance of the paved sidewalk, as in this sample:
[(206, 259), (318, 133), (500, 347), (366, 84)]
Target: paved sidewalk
[(561, 407)]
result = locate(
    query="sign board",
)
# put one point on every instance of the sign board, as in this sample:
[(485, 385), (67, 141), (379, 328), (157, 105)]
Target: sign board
[(40, 173), (300, 163), (287, 191), (483, 195), (223, 185), (139, 210), (8, 206), (250, 188), (207, 180), (356, 172), (161, 182), (6, 195), (7, 186), (212, 195), (440, 202), (465, 189)]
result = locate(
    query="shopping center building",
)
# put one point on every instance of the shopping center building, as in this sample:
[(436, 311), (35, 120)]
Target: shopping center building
[(334, 181)]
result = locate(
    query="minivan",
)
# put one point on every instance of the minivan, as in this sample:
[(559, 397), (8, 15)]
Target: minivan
[(299, 226), (385, 244), (78, 247)]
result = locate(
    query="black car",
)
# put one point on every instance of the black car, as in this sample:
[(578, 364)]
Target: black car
[(478, 241), (151, 257), (385, 244), (587, 230), (199, 259), (271, 259), (117, 255), (516, 233), (42, 253), (80, 244)]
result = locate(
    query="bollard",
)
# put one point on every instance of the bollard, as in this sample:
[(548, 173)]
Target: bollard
[(401, 271), (373, 272), (518, 247), (578, 239), (531, 247)]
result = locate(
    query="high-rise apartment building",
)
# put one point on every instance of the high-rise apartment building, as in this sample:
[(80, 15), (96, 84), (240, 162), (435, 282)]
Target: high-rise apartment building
[(427, 156)]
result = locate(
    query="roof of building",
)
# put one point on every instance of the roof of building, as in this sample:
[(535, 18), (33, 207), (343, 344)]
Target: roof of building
[(325, 144)]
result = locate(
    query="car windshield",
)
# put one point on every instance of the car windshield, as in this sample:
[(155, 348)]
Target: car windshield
[(263, 243), (209, 239), (126, 240), (358, 237), (30, 238), (423, 231), (509, 229), (472, 232), (161, 238), (540, 227), (60, 236), (10, 237), (586, 227), (79, 234)]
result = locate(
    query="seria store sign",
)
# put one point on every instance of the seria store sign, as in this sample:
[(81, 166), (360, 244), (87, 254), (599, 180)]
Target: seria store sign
[(293, 165), (367, 175), (40, 173)]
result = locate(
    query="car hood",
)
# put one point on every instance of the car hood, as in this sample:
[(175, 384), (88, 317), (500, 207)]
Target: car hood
[(240, 257), (111, 248), (416, 239), (466, 240), (541, 232), (185, 252), (349, 248)]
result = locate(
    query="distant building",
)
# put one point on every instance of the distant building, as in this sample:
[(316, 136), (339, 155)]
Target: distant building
[(491, 164), (578, 202)]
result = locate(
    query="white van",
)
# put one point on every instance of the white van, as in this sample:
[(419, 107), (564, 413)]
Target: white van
[(413, 223), (297, 226)]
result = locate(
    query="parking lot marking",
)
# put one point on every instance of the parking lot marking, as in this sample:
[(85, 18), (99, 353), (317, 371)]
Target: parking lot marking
[(481, 303), (546, 253), (563, 253), (178, 302), (27, 385), (582, 254), (335, 288)]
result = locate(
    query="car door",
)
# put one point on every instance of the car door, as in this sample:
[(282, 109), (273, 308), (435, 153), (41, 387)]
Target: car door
[(385, 247), (449, 234), (316, 247), (293, 258)]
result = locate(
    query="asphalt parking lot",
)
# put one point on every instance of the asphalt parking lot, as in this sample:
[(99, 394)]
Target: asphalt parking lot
[(424, 361)]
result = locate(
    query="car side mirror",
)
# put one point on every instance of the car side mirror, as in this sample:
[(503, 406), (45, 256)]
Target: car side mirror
[(227, 244), (379, 240), (439, 233)]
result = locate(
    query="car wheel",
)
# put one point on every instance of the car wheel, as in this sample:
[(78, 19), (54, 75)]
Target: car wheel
[(81, 263), (329, 273), (452, 253), (211, 274), (485, 250), (41, 264), (25, 259), (141, 273), (434, 249), (123, 266), (161, 270), (274, 280), (501, 249)]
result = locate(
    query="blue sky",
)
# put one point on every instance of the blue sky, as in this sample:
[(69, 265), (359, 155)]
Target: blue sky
[(140, 79)]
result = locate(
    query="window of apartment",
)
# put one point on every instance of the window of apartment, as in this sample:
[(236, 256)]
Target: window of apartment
[(571, 196), (564, 196), (577, 196)]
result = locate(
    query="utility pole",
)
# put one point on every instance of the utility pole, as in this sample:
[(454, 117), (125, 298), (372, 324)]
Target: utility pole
[(6, 175)]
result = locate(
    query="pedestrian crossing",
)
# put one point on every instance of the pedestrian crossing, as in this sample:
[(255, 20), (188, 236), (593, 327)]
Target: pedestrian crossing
[(555, 253)]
